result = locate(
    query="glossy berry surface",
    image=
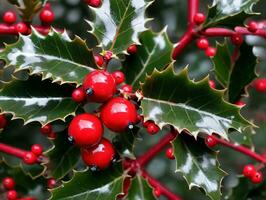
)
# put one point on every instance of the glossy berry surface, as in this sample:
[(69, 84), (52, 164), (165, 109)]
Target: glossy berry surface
[(9, 17), (11, 195), (47, 16), (101, 85), (212, 84), (257, 177), (78, 95), (3, 121), (132, 49), (260, 84), (37, 149), (99, 156), (237, 39), (210, 141), (210, 51), (169, 153), (146, 123), (118, 113), (22, 28), (119, 77), (94, 3), (202, 43), (30, 158), (240, 103), (8, 183), (46, 129), (51, 183), (152, 128), (252, 26), (98, 60), (126, 88), (157, 192), (249, 171), (85, 129), (199, 18)]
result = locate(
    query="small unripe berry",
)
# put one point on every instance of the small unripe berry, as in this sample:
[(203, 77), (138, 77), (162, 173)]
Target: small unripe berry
[(8, 183), (11, 195), (257, 177), (29, 158), (37, 149), (202, 43), (51, 183), (3, 121), (98, 60), (249, 171), (78, 95), (22, 28), (152, 128), (46, 129), (119, 77), (212, 84), (126, 88), (132, 49), (210, 141), (94, 3), (210, 51), (237, 39), (260, 84), (170, 153), (199, 18), (9, 17), (252, 26), (46, 16)]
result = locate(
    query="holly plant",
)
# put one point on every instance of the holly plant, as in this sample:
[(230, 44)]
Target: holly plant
[(88, 117)]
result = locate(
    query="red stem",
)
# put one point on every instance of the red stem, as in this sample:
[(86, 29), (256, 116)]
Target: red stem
[(156, 184), (27, 198), (241, 149), (12, 150), (152, 152), (193, 6)]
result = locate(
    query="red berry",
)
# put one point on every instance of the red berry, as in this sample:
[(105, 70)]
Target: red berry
[(37, 149), (237, 39), (11, 195), (9, 17), (132, 49), (257, 177), (118, 114), (140, 118), (170, 153), (210, 51), (52, 135), (157, 192), (212, 84), (240, 103), (30, 158), (108, 55), (99, 156), (78, 95), (252, 26), (126, 88), (46, 129), (119, 77), (260, 84), (210, 141), (86, 130), (22, 28), (146, 123), (98, 60), (8, 183), (199, 18), (3, 121), (94, 3), (152, 128), (249, 171), (99, 85), (51, 183), (202, 43), (46, 16)]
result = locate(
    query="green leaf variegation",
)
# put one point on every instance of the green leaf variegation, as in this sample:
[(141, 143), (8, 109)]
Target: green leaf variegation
[(118, 23), (87, 185), (171, 98), (155, 51), (35, 100), (198, 164), (55, 56)]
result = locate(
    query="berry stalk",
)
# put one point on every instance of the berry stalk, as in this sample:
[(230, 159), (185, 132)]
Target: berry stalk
[(193, 6), (12, 150)]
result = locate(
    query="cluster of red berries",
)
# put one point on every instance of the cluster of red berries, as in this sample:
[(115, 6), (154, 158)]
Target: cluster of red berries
[(9, 184), (31, 157), (47, 130), (251, 173)]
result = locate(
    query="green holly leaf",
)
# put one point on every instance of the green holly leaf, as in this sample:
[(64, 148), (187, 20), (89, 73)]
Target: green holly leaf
[(155, 51), (36, 100), (198, 165), (54, 56), (239, 191), (244, 139), (140, 189), (63, 156), (229, 13), (87, 185), (242, 74), (118, 23), (170, 98)]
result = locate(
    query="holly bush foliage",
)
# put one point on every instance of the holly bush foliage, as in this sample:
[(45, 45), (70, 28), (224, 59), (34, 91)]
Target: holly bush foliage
[(39, 73)]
